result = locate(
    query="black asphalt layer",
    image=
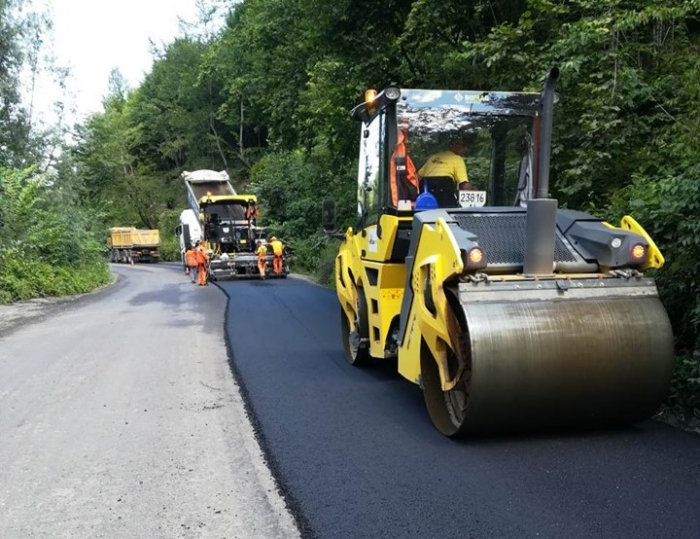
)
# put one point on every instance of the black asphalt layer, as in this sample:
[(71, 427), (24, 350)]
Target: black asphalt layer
[(355, 451)]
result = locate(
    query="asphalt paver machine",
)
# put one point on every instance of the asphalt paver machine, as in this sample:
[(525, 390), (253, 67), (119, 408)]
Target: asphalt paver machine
[(510, 313), (227, 223)]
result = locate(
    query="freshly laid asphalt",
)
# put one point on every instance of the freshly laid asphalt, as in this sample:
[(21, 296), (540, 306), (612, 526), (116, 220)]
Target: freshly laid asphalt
[(357, 456)]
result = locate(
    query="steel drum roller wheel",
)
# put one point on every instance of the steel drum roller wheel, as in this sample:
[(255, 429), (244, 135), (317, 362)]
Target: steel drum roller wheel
[(356, 353), (531, 365)]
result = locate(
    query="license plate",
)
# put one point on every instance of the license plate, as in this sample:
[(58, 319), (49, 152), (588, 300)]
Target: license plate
[(472, 199)]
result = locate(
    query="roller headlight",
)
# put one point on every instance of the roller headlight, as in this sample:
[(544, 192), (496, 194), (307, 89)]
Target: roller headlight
[(392, 93)]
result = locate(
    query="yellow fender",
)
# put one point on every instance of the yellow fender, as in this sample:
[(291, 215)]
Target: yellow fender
[(437, 255), (347, 293), (655, 260)]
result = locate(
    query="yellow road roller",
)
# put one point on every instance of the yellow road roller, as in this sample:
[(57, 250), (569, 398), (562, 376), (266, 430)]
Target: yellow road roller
[(510, 313)]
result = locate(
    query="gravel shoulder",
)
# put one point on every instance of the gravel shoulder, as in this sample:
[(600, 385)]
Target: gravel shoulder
[(19, 314)]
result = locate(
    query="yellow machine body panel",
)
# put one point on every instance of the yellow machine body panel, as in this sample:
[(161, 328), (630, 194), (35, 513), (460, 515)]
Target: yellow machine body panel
[(227, 199), (377, 246), (364, 262), (437, 260)]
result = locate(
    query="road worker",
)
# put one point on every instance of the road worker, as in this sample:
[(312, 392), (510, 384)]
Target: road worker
[(450, 163), (403, 179), (202, 261), (251, 211), (261, 251), (191, 263), (278, 252)]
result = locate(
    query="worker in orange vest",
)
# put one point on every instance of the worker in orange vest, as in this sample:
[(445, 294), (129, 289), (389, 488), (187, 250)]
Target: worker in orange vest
[(261, 251), (202, 261), (278, 252), (191, 263), (251, 211), (403, 179)]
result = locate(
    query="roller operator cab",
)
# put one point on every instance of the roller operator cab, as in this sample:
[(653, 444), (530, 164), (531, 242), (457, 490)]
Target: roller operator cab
[(510, 313)]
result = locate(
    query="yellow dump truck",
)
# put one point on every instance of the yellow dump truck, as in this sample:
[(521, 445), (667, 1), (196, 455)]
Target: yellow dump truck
[(129, 244)]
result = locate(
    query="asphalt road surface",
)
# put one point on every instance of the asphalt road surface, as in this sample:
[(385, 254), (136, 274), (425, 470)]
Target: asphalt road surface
[(358, 457), (119, 418)]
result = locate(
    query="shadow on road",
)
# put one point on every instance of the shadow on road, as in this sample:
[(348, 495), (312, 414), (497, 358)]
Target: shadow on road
[(167, 295)]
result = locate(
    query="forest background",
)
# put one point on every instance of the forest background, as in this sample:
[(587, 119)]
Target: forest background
[(267, 97)]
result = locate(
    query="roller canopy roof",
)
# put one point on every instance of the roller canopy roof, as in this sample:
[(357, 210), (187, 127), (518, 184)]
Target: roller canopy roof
[(471, 102)]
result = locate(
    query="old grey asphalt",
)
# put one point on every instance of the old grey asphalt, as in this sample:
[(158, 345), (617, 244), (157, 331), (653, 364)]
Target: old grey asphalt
[(119, 418), (358, 457)]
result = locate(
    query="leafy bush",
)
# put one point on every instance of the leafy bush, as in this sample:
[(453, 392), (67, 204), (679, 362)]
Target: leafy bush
[(685, 389), (314, 256), (49, 245), (169, 243), (24, 278), (666, 207)]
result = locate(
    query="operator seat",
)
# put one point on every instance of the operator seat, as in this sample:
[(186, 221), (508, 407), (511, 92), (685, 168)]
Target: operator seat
[(443, 188)]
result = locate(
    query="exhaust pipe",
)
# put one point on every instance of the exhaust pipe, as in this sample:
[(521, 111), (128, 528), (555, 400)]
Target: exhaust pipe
[(542, 210), (546, 113)]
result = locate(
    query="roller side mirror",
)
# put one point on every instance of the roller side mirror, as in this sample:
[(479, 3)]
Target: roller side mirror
[(329, 218)]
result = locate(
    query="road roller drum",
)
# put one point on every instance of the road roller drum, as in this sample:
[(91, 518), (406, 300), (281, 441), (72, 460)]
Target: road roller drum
[(556, 358)]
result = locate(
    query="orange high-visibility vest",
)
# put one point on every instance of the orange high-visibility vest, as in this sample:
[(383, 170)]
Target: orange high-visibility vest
[(251, 212), (191, 257), (202, 257), (403, 180)]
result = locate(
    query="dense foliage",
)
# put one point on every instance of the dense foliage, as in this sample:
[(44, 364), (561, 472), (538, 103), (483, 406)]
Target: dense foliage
[(50, 240), (49, 244)]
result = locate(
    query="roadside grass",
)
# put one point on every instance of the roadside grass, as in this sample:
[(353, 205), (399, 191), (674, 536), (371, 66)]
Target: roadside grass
[(22, 279), (315, 257)]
